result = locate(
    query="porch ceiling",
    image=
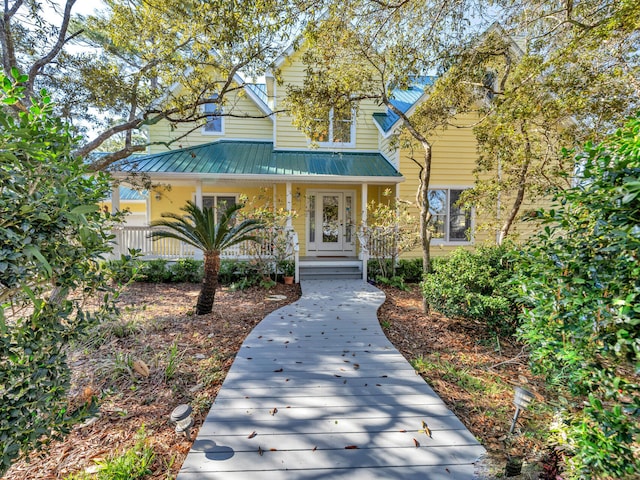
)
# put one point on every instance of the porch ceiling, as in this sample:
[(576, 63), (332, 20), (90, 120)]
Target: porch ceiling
[(253, 160)]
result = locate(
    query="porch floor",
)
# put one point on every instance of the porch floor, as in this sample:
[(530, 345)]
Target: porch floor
[(317, 391)]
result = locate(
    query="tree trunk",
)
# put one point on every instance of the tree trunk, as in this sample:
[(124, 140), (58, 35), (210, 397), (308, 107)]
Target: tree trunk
[(425, 215), (517, 203), (209, 283)]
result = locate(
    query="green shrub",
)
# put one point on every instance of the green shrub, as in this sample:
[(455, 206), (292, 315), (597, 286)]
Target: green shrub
[(126, 268), (186, 270), (53, 238), (239, 272), (410, 270), (580, 275), (155, 271), (475, 285)]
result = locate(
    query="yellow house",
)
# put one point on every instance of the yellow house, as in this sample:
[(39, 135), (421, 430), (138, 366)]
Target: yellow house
[(326, 185)]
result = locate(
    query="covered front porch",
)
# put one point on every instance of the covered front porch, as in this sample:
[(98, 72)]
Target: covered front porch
[(322, 197)]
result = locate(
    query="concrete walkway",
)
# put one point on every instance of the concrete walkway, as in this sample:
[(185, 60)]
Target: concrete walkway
[(318, 392)]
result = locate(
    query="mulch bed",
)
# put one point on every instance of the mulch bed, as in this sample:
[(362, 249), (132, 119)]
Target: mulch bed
[(187, 357)]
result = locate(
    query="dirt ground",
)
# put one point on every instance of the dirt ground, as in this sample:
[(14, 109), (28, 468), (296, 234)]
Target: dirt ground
[(159, 355)]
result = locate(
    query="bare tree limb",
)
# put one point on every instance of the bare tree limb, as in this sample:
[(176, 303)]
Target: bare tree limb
[(54, 51)]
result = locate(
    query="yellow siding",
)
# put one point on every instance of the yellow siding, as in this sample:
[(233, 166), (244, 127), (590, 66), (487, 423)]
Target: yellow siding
[(171, 201), (289, 137), (234, 128), (133, 207)]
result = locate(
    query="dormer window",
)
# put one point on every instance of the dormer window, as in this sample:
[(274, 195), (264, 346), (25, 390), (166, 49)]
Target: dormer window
[(337, 130), (215, 124)]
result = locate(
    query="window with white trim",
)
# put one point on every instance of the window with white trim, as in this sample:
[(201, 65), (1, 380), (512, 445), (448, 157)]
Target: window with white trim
[(219, 203), (215, 120), (338, 129), (450, 223)]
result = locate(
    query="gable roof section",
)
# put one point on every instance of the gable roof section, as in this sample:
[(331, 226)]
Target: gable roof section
[(257, 160), (403, 99)]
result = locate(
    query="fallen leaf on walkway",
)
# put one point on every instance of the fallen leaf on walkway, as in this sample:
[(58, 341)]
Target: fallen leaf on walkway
[(252, 434), (273, 411), (351, 447), (416, 442), (260, 451), (314, 448), (273, 449), (279, 370), (426, 429)]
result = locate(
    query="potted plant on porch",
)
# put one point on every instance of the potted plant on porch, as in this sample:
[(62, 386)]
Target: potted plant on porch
[(288, 269)]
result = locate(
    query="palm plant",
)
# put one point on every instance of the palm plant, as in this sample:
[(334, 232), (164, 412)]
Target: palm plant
[(199, 229)]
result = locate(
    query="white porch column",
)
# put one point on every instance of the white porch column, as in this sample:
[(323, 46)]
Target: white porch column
[(115, 199), (365, 200), (364, 252), (289, 202), (275, 197), (199, 194)]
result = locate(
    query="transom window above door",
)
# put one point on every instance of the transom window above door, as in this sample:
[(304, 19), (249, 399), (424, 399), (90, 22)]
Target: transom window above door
[(336, 130)]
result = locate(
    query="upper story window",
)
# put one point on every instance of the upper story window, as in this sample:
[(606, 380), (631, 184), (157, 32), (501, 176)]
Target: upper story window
[(215, 120), (450, 223), (337, 130)]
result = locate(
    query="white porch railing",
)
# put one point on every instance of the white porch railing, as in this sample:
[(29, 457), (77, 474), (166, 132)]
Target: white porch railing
[(171, 249)]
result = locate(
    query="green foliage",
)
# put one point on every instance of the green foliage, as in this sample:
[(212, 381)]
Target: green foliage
[(395, 281), (581, 277), (52, 238), (198, 227), (236, 272), (155, 271), (126, 268), (410, 270), (475, 285), (134, 463), (391, 229), (407, 270), (137, 50), (186, 270)]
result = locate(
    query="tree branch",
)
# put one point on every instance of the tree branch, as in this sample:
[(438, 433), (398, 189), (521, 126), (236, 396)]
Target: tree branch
[(55, 50)]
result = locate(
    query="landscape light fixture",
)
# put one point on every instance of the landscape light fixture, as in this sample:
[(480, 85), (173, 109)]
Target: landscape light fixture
[(181, 416), (521, 400)]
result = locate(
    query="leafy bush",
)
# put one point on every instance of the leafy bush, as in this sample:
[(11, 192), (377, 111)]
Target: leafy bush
[(410, 270), (475, 285), (52, 242), (186, 270), (126, 268), (155, 271), (581, 277), (236, 272)]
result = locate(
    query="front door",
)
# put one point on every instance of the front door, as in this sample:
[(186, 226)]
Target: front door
[(331, 229)]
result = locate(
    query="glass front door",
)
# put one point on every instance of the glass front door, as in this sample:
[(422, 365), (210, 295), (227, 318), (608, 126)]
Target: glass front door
[(331, 223)]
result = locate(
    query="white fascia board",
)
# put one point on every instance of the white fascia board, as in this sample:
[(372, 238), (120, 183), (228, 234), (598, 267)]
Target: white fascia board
[(257, 100)]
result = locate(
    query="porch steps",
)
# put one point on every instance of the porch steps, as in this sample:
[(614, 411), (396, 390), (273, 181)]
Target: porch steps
[(330, 268)]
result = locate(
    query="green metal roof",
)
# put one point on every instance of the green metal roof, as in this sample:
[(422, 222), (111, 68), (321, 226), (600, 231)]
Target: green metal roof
[(403, 99), (129, 194), (237, 158)]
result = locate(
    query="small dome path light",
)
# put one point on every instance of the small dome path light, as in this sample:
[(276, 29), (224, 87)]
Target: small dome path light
[(181, 416), (521, 400)]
